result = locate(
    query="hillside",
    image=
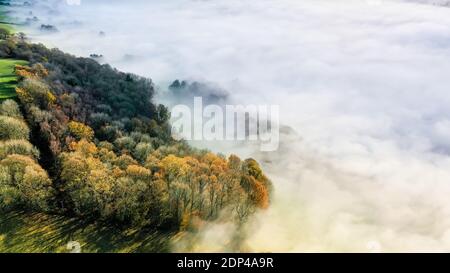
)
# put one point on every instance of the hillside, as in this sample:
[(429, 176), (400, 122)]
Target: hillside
[(8, 79), (85, 143), (4, 21)]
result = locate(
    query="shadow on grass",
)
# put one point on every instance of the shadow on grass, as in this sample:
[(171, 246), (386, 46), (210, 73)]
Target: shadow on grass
[(11, 83), (8, 76), (30, 233)]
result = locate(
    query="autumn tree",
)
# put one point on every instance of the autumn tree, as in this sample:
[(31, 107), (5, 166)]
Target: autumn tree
[(132, 201), (142, 150), (13, 128), (80, 131), (34, 91), (10, 108), (110, 149), (87, 181), (23, 183), (19, 147)]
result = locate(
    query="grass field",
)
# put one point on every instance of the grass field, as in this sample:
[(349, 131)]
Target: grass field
[(3, 19), (39, 233), (8, 27), (8, 79)]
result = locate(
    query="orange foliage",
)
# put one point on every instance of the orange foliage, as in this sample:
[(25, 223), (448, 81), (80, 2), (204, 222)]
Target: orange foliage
[(84, 147), (37, 71)]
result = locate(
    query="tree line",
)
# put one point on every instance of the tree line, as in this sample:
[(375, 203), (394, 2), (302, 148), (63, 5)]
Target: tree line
[(101, 149)]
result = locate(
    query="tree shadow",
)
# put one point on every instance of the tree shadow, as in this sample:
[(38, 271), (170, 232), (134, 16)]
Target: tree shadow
[(22, 232)]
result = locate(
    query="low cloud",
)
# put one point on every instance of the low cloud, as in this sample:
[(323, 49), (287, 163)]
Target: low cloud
[(363, 89)]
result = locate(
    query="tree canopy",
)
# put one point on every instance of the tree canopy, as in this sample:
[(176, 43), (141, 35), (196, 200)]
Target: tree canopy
[(109, 151)]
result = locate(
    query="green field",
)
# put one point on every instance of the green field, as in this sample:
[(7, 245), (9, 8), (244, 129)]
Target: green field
[(3, 20), (8, 79), (40, 233), (8, 27)]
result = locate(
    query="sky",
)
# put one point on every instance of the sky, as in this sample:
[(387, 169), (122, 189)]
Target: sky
[(363, 90)]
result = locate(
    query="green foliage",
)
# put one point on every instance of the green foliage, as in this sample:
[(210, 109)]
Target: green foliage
[(34, 91), (4, 33), (132, 200), (164, 189), (110, 150), (13, 128), (125, 143), (10, 108), (20, 147), (24, 184), (120, 193), (142, 151), (98, 120), (129, 95)]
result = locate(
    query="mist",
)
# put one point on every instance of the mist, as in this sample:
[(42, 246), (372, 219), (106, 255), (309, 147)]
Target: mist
[(364, 161)]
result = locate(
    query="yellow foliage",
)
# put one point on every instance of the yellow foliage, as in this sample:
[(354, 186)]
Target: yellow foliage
[(24, 71), (37, 71), (124, 161), (100, 181), (152, 163), (18, 160), (138, 172), (33, 90), (51, 98), (117, 172), (84, 147), (22, 67), (24, 96), (24, 74), (174, 167), (80, 130), (259, 194), (107, 155), (30, 180), (209, 158)]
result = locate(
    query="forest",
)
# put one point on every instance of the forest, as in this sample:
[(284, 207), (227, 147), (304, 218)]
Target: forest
[(85, 140)]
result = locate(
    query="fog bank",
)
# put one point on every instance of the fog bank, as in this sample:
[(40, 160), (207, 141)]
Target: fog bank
[(363, 85)]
